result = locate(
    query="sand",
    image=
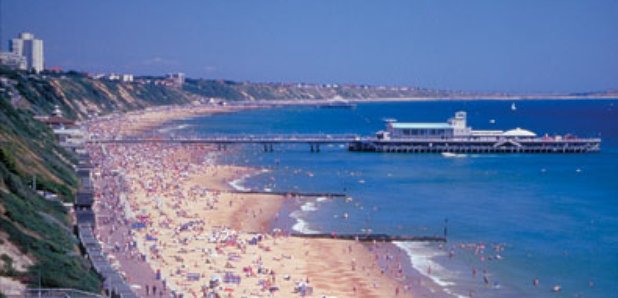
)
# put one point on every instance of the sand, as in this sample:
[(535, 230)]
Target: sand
[(196, 229)]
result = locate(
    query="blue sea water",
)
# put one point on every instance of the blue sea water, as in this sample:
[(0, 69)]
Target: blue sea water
[(552, 217)]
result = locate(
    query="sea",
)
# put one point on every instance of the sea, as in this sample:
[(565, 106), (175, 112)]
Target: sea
[(512, 220)]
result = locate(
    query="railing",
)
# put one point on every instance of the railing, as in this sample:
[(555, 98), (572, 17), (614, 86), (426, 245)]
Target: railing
[(305, 138), (51, 292), (536, 140)]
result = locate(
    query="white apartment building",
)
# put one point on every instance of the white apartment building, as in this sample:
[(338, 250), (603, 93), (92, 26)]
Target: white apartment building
[(31, 48)]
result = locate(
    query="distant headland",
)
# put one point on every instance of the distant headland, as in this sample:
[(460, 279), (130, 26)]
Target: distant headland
[(255, 91)]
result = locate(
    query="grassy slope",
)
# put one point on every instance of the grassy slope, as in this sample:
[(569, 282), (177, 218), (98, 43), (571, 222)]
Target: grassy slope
[(39, 228)]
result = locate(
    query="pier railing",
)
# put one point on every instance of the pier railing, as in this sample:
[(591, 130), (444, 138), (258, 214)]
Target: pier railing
[(328, 138), (239, 138), (374, 144)]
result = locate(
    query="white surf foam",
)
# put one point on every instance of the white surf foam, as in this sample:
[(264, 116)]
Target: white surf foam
[(321, 199), (171, 128), (301, 225), (309, 207), (421, 257), (238, 184)]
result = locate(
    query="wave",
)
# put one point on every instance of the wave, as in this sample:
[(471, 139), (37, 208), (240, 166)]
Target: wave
[(172, 128), (237, 184), (453, 155), (421, 257), (301, 225), (309, 207)]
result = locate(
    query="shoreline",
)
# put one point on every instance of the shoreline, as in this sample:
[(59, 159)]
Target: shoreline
[(310, 102), (321, 263), (396, 259)]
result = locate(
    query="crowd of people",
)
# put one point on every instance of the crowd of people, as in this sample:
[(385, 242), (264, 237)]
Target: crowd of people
[(174, 237)]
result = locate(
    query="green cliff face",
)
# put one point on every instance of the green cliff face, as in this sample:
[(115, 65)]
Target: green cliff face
[(40, 229), (231, 90)]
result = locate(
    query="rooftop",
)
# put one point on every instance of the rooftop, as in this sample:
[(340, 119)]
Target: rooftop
[(404, 125), (518, 132)]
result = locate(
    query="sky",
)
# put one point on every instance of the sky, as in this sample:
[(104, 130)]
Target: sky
[(472, 45)]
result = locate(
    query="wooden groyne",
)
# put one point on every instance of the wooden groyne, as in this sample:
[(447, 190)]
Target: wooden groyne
[(291, 193), (372, 237)]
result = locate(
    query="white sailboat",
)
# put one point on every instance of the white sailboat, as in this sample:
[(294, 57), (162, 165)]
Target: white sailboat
[(513, 107)]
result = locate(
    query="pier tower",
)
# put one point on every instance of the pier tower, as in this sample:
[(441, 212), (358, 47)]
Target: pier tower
[(459, 124)]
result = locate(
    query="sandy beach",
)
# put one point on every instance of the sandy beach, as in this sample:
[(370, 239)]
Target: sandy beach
[(195, 237)]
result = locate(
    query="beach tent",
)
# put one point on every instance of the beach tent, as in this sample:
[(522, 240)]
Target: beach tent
[(138, 225)]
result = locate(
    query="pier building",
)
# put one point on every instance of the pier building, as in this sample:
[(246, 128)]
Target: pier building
[(456, 127), (455, 136)]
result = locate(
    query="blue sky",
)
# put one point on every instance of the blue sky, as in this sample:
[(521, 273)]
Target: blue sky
[(492, 45)]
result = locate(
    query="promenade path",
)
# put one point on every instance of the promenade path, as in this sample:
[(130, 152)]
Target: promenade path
[(116, 234)]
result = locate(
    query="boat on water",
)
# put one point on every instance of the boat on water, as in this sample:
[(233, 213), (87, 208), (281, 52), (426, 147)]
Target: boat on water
[(455, 137), (453, 155), (513, 107), (338, 104)]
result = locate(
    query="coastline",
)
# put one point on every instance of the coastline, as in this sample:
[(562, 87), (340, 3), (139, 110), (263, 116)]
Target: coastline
[(311, 102), (190, 206)]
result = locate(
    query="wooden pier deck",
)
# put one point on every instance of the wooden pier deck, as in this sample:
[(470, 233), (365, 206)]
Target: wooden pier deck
[(373, 144), (467, 145), (242, 139)]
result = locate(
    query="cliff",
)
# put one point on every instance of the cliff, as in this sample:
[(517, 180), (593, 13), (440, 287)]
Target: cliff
[(37, 243), (280, 91)]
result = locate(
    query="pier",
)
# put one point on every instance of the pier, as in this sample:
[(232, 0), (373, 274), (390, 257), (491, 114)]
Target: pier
[(266, 139), (470, 145), (356, 143)]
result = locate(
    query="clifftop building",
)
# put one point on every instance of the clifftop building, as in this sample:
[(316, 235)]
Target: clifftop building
[(176, 79), (31, 49), (13, 60)]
